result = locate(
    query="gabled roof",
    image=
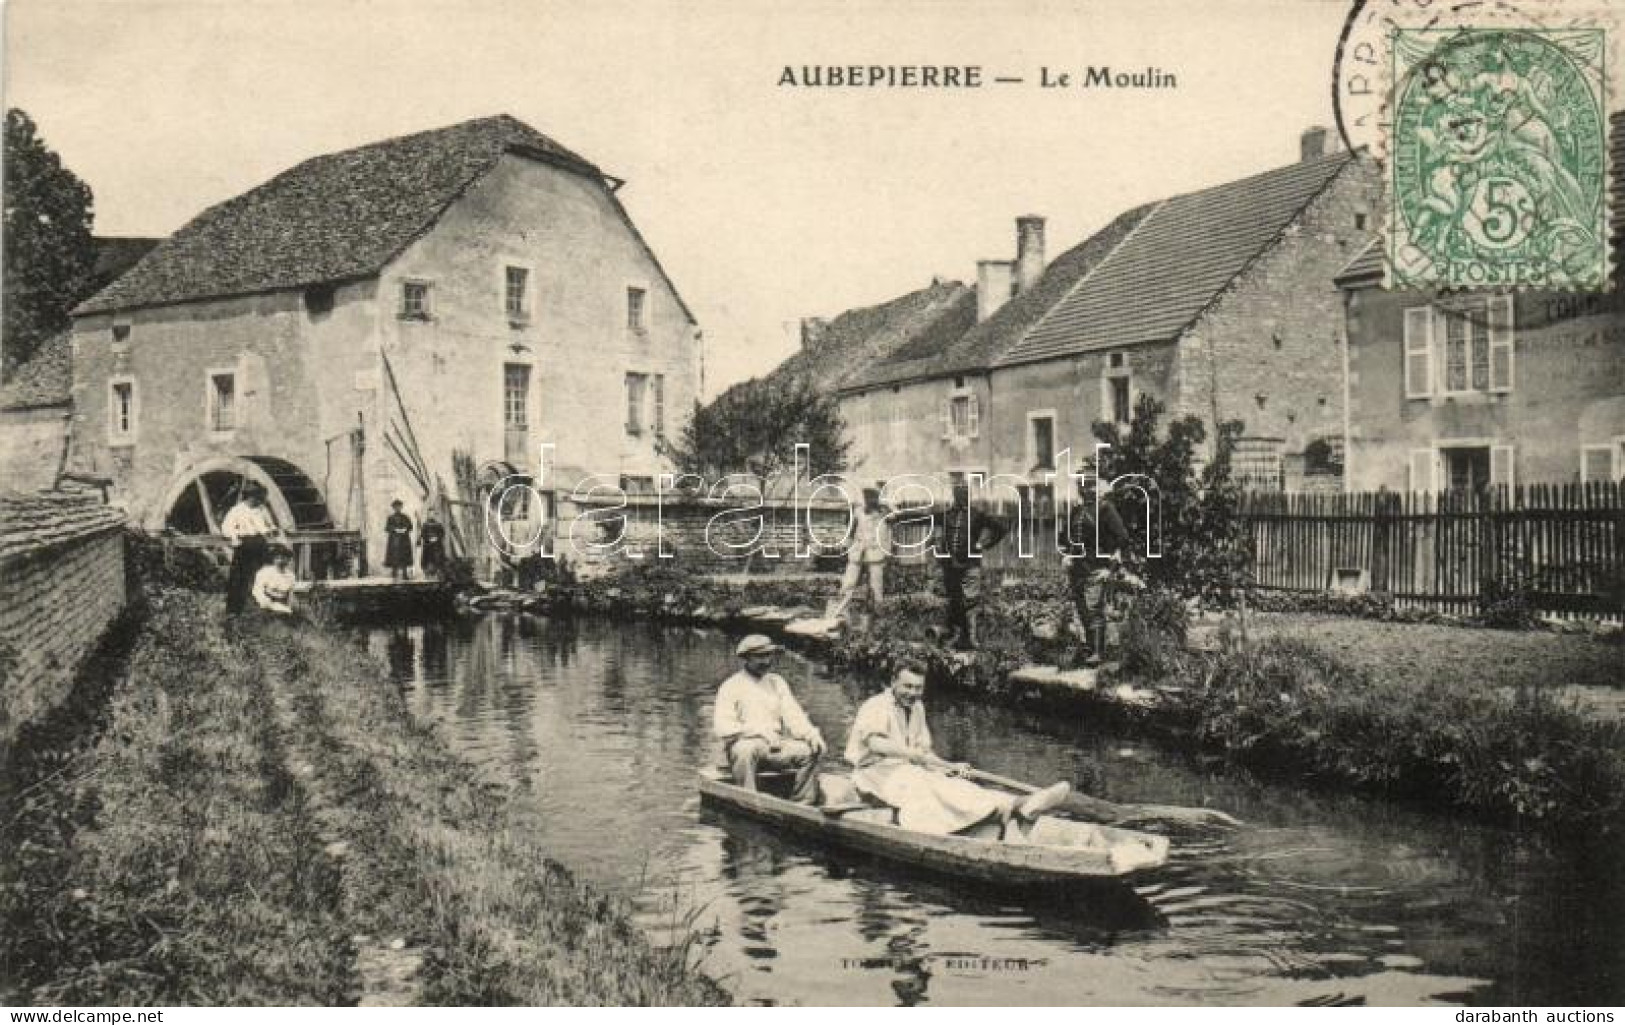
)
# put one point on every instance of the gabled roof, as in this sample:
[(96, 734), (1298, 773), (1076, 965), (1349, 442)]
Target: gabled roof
[(1367, 264), (964, 346), (859, 337), (116, 254), (332, 218), (45, 380), (1167, 271)]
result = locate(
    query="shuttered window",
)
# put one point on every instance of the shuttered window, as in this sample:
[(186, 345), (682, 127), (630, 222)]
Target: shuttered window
[(1419, 352), (1597, 464), (635, 384), (1500, 317)]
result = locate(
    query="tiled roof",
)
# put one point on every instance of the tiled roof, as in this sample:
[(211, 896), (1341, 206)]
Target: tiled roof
[(1153, 285), (45, 380), (968, 346), (34, 521), (334, 217), (860, 337), (1363, 266)]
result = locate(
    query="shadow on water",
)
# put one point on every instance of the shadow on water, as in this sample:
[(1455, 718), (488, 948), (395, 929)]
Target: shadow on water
[(600, 728)]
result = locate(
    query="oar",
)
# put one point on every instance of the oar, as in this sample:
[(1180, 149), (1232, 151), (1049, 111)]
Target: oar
[(1116, 814)]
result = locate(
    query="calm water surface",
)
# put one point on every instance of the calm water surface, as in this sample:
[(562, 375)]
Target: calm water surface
[(602, 727)]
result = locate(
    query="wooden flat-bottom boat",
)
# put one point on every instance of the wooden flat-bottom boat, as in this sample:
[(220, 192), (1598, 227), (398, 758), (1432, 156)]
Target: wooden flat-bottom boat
[(1056, 850)]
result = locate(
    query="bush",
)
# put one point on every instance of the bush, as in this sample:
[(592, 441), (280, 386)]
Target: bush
[(1153, 636), (1506, 604)]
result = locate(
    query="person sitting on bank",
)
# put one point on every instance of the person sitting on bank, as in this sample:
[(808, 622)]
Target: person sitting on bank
[(273, 584), (249, 527), (890, 744), (1098, 543), (398, 542), (762, 726), (871, 541)]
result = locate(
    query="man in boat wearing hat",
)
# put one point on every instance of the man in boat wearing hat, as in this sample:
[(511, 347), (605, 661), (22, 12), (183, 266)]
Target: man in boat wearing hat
[(890, 744), (762, 726), (249, 527)]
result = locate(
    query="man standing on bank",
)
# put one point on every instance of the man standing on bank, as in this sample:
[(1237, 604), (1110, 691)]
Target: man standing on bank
[(1099, 541), (762, 726), (965, 535), (398, 543), (249, 527), (871, 541)]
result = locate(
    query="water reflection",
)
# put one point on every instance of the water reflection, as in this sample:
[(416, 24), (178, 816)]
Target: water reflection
[(601, 727)]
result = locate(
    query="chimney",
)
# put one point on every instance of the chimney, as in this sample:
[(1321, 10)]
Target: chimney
[(1029, 251), (812, 331), (994, 285), (1312, 143)]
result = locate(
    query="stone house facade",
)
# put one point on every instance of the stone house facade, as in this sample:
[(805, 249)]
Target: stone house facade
[(341, 332), (1460, 391), (1220, 304)]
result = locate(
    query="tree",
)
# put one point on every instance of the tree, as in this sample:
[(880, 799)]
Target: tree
[(754, 428), (49, 255), (1205, 544)]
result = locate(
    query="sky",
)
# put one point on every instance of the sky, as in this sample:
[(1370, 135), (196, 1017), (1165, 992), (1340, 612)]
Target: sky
[(765, 203)]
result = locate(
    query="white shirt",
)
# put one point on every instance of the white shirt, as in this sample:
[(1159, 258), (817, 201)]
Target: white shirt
[(881, 716), (871, 537), (761, 707), (243, 520), (272, 588)]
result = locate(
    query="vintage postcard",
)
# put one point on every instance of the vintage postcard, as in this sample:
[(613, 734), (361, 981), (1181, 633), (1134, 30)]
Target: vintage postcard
[(1046, 504)]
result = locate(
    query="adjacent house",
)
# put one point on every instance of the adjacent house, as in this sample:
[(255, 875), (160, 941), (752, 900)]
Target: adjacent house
[(1463, 390), (1219, 303), (384, 323), (37, 399)]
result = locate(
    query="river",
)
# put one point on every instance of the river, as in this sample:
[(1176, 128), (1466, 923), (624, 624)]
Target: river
[(600, 728)]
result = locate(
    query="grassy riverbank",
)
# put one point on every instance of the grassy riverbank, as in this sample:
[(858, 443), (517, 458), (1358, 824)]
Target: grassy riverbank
[(256, 820)]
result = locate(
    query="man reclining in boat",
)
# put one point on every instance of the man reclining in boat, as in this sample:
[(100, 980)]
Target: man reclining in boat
[(891, 746), (762, 726)]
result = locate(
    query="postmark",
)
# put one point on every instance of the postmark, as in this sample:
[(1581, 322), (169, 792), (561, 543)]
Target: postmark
[(1498, 158)]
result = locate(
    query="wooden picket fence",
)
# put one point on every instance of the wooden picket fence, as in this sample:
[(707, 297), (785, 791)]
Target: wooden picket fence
[(1563, 544)]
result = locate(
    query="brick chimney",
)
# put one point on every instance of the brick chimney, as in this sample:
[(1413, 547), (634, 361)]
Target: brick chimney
[(1312, 143), (1029, 251), (812, 331), (995, 283)]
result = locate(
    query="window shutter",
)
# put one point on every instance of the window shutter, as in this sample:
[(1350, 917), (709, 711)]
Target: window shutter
[(1596, 463), (1423, 470), (1501, 466), (1501, 330), (973, 417), (1418, 352), (947, 419)]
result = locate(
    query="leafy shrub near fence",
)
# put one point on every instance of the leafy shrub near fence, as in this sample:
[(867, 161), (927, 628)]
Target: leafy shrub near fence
[(1289, 705)]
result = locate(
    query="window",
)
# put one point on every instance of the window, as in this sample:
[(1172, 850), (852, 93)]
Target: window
[(961, 417), (658, 392), (1463, 349), (516, 294), (121, 411), (1473, 467), (1041, 441), (414, 300), (1602, 463), (121, 333), (1122, 405), (634, 308), (516, 396), (222, 401), (635, 384)]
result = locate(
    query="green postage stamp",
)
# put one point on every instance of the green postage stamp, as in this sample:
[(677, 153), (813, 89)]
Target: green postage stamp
[(1498, 157)]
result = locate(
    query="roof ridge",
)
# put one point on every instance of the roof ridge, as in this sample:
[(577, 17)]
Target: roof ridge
[(1087, 276)]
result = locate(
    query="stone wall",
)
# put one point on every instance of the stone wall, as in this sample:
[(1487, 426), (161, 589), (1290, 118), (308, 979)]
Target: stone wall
[(61, 584), (678, 527), (897, 431), (31, 446)]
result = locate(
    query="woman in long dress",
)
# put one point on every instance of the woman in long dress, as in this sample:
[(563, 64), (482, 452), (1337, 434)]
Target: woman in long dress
[(890, 744), (398, 542)]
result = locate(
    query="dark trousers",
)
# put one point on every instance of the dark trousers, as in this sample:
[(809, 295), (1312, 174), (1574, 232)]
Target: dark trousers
[(953, 585), (246, 560)]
